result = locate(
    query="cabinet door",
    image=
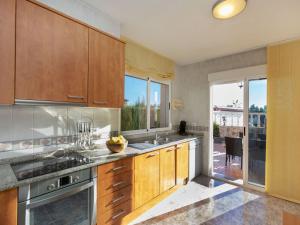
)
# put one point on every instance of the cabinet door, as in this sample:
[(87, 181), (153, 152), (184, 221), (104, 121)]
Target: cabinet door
[(51, 56), (167, 168), (146, 178), (106, 70), (182, 163), (7, 51), (8, 202)]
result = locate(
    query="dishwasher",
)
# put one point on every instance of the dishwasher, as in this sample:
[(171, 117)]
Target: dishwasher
[(195, 158)]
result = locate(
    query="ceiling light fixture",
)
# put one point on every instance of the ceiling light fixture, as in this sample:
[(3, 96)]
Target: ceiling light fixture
[(225, 9)]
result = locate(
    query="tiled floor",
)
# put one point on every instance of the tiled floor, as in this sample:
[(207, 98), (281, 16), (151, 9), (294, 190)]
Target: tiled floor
[(209, 202), (233, 169)]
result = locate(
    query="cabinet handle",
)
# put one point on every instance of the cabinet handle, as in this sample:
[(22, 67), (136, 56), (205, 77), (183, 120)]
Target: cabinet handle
[(118, 214), (100, 102), (152, 155), (118, 199), (75, 97), (118, 184), (178, 147), (170, 149), (118, 168)]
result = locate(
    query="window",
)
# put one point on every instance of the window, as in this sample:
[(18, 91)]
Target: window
[(146, 105), (159, 105), (134, 112)]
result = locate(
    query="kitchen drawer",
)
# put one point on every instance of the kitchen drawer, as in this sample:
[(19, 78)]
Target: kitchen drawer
[(113, 183), (115, 215), (111, 169), (114, 199)]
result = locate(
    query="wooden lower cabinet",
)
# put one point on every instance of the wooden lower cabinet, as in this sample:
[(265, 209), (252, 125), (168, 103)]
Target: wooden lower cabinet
[(112, 184), (167, 169), (114, 168), (182, 163), (115, 191), (146, 178), (129, 187), (9, 205), (115, 215)]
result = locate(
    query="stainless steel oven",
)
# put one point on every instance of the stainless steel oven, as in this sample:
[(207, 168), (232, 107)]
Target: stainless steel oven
[(65, 200)]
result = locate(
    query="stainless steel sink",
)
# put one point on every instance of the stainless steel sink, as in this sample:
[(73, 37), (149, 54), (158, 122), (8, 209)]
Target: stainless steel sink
[(147, 143), (143, 145)]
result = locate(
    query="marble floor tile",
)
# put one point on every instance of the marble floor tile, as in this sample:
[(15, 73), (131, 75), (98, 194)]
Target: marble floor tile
[(200, 202)]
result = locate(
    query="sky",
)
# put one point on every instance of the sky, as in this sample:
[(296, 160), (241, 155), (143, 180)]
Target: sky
[(136, 89), (258, 93), (226, 94)]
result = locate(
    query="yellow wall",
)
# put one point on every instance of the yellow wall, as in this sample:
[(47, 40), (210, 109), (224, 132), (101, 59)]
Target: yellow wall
[(283, 127), (144, 62)]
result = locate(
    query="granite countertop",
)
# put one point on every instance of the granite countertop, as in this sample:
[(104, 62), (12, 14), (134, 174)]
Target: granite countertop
[(100, 156)]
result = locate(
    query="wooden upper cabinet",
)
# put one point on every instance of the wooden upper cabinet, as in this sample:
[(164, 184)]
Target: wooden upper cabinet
[(182, 163), (51, 55), (146, 178), (167, 168), (9, 205), (7, 51), (106, 70)]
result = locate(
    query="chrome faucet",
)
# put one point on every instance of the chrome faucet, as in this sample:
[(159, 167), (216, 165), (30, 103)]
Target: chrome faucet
[(156, 136)]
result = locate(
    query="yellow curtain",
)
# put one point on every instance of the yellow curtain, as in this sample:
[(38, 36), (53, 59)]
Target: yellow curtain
[(143, 62), (283, 127)]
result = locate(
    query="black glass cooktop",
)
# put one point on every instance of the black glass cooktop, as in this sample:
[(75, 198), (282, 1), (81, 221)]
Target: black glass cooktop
[(49, 164)]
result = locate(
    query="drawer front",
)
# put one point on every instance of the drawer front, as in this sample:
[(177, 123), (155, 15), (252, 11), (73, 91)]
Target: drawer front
[(115, 215), (168, 149), (114, 199), (114, 168), (114, 183)]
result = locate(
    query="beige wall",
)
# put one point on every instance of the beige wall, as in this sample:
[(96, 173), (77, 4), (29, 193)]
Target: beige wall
[(192, 87)]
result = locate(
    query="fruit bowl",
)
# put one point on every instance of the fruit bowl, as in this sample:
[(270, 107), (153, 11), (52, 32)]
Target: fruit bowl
[(116, 147), (117, 144)]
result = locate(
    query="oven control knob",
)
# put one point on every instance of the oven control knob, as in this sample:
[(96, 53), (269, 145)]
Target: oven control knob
[(76, 179), (51, 187)]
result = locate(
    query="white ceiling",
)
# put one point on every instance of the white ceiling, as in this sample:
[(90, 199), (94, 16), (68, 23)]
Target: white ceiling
[(185, 31)]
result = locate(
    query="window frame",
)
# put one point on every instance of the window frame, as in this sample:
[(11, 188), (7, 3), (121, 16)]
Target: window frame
[(148, 129)]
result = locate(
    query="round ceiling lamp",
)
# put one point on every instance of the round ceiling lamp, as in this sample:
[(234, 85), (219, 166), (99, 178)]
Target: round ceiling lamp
[(225, 9)]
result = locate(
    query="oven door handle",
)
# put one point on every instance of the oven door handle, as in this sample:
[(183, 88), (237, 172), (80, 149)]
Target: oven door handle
[(63, 193)]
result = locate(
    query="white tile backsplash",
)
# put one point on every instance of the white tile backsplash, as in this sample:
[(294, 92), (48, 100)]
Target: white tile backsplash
[(62, 121), (35, 122), (22, 122), (5, 123), (74, 115), (45, 122), (106, 118), (87, 114)]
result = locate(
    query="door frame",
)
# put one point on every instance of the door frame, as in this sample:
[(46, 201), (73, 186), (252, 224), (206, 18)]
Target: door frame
[(246, 182), (232, 76)]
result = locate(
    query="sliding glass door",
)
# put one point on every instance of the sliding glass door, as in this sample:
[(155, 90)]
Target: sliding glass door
[(239, 121), (228, 128), (255, 141)]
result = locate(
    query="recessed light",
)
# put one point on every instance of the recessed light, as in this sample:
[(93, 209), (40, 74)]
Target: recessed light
[(225, 9)]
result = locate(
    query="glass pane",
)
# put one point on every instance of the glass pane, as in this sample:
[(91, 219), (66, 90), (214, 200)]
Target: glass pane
[(228, 128), (72, 210), (257, 131), (134, 112), (159, 105)]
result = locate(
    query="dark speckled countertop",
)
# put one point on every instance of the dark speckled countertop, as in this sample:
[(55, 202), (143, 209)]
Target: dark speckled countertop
[(100, 156)]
